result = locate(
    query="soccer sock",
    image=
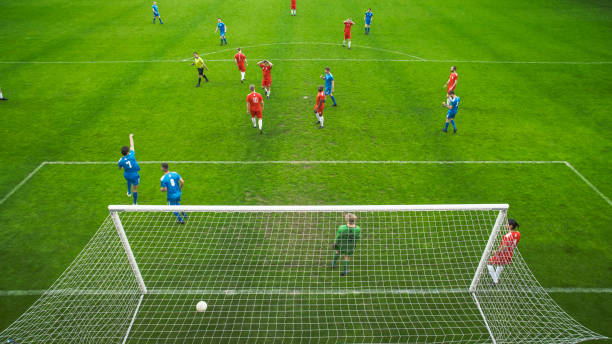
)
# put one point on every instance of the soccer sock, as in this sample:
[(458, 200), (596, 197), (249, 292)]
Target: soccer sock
[(135, 195), (492, 273), (349, 45), (199, 80), (446, 126), (453, 123), (498, 271), (321, 119), (153, 20), (345, 264), (333, 99), (269, 91), (129, 185), (260, 123), (318, 117), (254, 121), (343, 42), (205, 78), (242, 75), (160, 20), (184, 216), (178, 216), (221, 41), (225, 40), (336, 256)]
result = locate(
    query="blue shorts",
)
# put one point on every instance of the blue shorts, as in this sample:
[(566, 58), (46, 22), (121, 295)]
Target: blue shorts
[(133, 179), (176, 201), (450, 115), (221, 33), (368, 23), (155, 14), (327, 91)]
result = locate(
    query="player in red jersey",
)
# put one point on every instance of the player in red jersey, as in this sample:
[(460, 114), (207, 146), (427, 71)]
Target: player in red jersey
[(319, 105), (255, 106), (503, 255), (451, 83), (266, 83), (292, 7), (347, 31), (240, 61)]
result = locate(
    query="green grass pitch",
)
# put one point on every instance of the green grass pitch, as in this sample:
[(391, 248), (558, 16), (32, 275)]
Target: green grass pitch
[(389, 91)]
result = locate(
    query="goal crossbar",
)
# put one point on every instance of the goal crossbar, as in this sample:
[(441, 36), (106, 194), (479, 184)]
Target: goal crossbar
[(303, 208)]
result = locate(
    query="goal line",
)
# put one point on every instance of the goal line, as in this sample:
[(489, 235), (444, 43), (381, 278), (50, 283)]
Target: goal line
[(284, 291)]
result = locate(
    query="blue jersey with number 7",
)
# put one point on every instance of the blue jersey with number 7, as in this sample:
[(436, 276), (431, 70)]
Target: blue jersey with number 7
[(129, 164)]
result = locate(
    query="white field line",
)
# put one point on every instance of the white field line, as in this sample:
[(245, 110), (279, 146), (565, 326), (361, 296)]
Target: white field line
[(412, 58), (18, 186), (588, 183), (288, 291), (326, 59), (313, 162)]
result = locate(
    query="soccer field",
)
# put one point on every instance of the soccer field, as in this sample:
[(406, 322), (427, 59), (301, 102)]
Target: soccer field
[(81, 76)]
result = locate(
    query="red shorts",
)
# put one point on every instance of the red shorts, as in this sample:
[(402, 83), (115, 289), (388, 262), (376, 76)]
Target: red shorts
[(449, 89), (500, 260), (256, 114), (320, 112), (266, 82), (347, 35), (292, 5), (241, 68)]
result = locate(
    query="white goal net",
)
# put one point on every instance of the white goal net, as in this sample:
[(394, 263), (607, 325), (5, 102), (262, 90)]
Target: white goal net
[(417, 274)]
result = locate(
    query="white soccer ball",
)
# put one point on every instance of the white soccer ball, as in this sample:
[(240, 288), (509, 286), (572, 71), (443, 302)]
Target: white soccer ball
[(201, 306)]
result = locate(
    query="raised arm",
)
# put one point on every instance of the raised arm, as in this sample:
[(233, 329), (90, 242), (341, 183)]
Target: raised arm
[(131, 142)]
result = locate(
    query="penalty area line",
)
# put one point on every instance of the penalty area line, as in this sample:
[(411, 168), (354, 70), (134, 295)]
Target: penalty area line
[(316, 162), (288, 291)]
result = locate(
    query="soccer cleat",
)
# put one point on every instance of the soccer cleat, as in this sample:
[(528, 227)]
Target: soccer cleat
[(320, 127), (129, 194), (443, 130), (180, 222), (260, 131), (335, 104), (455, 131), (242, 81), (318, 122), (254, 126), (198, 85), (268, 95), (344, 273)]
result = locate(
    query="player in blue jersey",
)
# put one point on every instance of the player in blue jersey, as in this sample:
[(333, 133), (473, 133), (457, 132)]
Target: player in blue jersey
[(172, 185), (329, 84), (222, 29), (156, 13), (368, 20), (453, 107), (130, 169)]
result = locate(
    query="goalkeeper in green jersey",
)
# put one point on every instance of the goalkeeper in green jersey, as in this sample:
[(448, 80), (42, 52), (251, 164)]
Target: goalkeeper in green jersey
[(346, 240)]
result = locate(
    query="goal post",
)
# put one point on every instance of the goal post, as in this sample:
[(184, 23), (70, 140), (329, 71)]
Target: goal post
[(272, 274)]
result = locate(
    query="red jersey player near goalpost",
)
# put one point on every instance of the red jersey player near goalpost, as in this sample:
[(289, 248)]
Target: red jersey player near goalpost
[(503, 255), (240, 61), (292, 7), (451, 83), (266, 83), (255, 107), (319, 105), (347, 31)]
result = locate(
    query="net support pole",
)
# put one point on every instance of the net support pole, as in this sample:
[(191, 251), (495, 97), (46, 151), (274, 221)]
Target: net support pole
[(128, 251), (484, 318), (487, 250)]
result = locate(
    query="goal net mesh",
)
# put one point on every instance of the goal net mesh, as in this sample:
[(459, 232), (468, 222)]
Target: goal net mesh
[(267, 278)]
